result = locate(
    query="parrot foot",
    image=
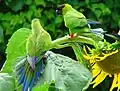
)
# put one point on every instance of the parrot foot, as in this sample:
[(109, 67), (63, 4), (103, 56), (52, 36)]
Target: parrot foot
[(71, 36)]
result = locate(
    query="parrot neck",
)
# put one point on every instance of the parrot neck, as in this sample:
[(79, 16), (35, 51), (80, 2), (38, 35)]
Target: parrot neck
[(37, 29)]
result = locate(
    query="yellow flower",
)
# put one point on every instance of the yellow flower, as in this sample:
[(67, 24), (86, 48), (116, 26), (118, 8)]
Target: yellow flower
[(103, 65)]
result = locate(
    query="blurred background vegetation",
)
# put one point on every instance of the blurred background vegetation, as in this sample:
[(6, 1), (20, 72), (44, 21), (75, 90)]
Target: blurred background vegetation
[(15, 14)]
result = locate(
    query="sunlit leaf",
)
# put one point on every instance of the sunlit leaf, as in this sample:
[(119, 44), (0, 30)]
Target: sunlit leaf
[(6, 82), (67, 74), (15, 48)]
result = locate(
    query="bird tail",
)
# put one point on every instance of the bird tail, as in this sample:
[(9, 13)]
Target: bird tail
[(27, 76), (97, 34), (92, 22), (113, 36)]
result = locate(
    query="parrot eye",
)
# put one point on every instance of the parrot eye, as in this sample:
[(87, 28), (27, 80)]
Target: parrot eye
[(59, 9)]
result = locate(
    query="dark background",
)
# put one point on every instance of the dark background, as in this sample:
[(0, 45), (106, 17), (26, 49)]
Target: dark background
[(15, 14)]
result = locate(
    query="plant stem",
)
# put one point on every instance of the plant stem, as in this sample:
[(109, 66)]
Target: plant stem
[(64, 40)]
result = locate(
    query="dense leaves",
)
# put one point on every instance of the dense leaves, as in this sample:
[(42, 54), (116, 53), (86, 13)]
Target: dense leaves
[(16, 14), (1, 35), (15, 5), (23, 11)]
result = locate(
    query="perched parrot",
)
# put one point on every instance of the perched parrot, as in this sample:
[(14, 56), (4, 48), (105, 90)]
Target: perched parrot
[(38, 42), (76, 21), (77, 24), (31, 66)]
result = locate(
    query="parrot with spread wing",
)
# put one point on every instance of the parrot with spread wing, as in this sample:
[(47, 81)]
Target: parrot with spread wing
[(30, 67), (78, 24), (38, 42)]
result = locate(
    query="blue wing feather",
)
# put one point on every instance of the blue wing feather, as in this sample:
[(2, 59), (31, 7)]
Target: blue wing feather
[(27, 76)]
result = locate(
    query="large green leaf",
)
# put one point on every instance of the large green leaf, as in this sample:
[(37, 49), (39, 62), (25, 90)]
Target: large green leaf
[(6, 82), (16, 47), (67, 74)]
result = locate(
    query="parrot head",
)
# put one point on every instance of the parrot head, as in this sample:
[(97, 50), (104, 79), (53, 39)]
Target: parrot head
[(35, 22), (36, 26), (62, 9)]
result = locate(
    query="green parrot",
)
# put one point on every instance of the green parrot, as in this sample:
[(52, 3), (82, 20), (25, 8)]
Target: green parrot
[(77, 24), (76, 21), (38, 42), (30, 67)]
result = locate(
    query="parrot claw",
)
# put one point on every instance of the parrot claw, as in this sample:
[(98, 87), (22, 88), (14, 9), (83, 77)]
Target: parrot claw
[(68, 36), (75, 34), (71, 35)]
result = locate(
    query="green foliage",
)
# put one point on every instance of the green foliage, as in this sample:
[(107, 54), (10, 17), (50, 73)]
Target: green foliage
[(15, 5), (19, 13), (6, 82), (1, 35), (64, 72), (13, 20), (100, 10), (23, 11), (16, 48)]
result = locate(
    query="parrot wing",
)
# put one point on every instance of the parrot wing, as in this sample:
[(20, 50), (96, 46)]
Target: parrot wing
[(73, 20), (27, 77)]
